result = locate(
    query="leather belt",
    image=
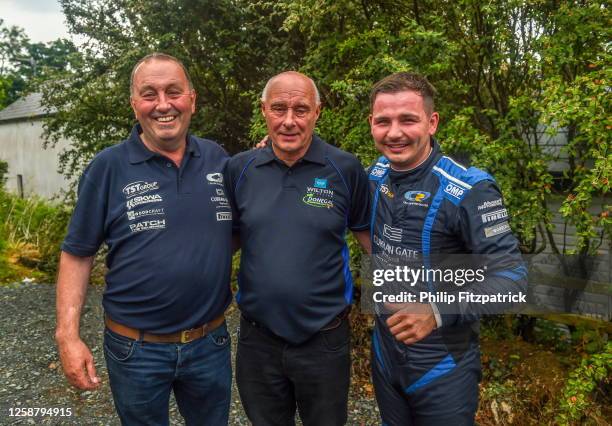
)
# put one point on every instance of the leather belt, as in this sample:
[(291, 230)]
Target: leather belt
[(184, 336), (335, 323)]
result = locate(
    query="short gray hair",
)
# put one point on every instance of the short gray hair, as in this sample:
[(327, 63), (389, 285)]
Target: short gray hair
[(264, 93)]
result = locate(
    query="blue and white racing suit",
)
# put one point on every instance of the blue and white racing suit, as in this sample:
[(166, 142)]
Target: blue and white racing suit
[(439, 207)]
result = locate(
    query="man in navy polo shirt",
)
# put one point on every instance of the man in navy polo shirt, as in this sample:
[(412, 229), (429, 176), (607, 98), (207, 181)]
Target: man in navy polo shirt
[(158, 202), (294, 201)]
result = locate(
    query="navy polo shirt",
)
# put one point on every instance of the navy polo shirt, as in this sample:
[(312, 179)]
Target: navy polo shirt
[(168, 232), (294, 272)]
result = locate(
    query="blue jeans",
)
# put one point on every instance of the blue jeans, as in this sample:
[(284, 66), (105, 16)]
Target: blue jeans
[(142, 374)]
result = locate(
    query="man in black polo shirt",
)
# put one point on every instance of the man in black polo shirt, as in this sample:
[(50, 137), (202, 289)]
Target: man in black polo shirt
[(294, 201), (158, 202)]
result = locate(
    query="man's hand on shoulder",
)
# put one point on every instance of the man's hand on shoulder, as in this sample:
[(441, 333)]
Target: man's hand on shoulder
[(78, 364), (262, 143), (410, 322)]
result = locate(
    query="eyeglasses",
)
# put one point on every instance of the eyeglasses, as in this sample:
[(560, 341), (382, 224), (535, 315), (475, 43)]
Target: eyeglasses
[(281, 111)]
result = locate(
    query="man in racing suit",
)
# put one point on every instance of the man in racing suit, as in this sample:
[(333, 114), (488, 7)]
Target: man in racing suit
[(426, 361)]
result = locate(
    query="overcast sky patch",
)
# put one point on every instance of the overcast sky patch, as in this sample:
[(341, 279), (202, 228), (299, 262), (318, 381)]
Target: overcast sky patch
[(42, 20)]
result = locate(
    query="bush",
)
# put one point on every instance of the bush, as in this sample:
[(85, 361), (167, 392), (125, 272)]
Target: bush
[(34, 222), (582, 386), (3, 172)]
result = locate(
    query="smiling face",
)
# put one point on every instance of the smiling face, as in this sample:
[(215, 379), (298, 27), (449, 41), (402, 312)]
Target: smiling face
[(163, 103), (401, 127), (291, 112)]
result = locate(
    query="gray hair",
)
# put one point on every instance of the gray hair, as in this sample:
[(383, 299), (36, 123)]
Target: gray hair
[(266, 89)]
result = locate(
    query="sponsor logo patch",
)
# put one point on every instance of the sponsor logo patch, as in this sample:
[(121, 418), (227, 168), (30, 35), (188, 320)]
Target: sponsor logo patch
[(454, 190), (500, 228), (489, 204), (320, 183), (224, 216), (148, 225), (138, 188), (393, 250), (317, 201), (386, 190), (221, 200), (143, 199), (319, 197), (377, 172), (215, 178), (493, 216), (391, 233), (149, 212), (418, 196)]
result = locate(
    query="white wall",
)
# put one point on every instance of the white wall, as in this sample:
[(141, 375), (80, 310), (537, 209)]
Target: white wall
[(21, 146)]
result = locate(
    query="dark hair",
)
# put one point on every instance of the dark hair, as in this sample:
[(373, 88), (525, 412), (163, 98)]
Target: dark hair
[(160, 57), (403, 81)]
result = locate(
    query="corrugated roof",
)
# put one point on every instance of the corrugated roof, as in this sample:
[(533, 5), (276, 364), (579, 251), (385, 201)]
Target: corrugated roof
[(23, 108)]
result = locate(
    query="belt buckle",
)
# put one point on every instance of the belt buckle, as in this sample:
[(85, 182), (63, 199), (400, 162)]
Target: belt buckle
[(185, 336)]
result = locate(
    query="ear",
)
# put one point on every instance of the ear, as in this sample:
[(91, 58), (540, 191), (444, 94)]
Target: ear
[(317, 111), (133, 104), (433, 123), (262, 107), (193, 96)]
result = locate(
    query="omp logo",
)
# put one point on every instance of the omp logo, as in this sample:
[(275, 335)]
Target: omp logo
[(377, 172), (143, 199), (497, 229), (489, 204), (138, 188), (493, 216), (320, 183), (149, 212), (385, 190), (220, 192), (224, 216), (417, 196), (148, 225), (314, 201), (215, 178), (454, 190), (393, 234)]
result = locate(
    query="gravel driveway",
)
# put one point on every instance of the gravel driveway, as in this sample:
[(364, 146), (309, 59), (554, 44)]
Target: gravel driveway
[(31, 375)]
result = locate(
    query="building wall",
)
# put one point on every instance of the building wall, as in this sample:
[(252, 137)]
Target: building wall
[(21, 146)]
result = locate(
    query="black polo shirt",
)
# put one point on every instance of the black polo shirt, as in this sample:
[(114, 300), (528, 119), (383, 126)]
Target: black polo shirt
[(294, 272), (168, 232)]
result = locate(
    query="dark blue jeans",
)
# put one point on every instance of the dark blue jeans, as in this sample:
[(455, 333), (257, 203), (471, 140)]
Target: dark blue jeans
[(274, 376), (142, 375)]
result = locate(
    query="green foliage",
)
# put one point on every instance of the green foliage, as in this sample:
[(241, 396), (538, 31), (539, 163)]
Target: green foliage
[(230, 47), (592, 376), (510, 76), (3, 172), (36, 222), (24, 66)]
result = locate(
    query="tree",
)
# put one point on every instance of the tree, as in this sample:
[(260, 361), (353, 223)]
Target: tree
[(230, 47), (24, 65), (509, 74), (499, 97)]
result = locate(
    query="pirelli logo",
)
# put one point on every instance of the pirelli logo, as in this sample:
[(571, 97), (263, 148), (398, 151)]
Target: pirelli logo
[(493, 216)]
